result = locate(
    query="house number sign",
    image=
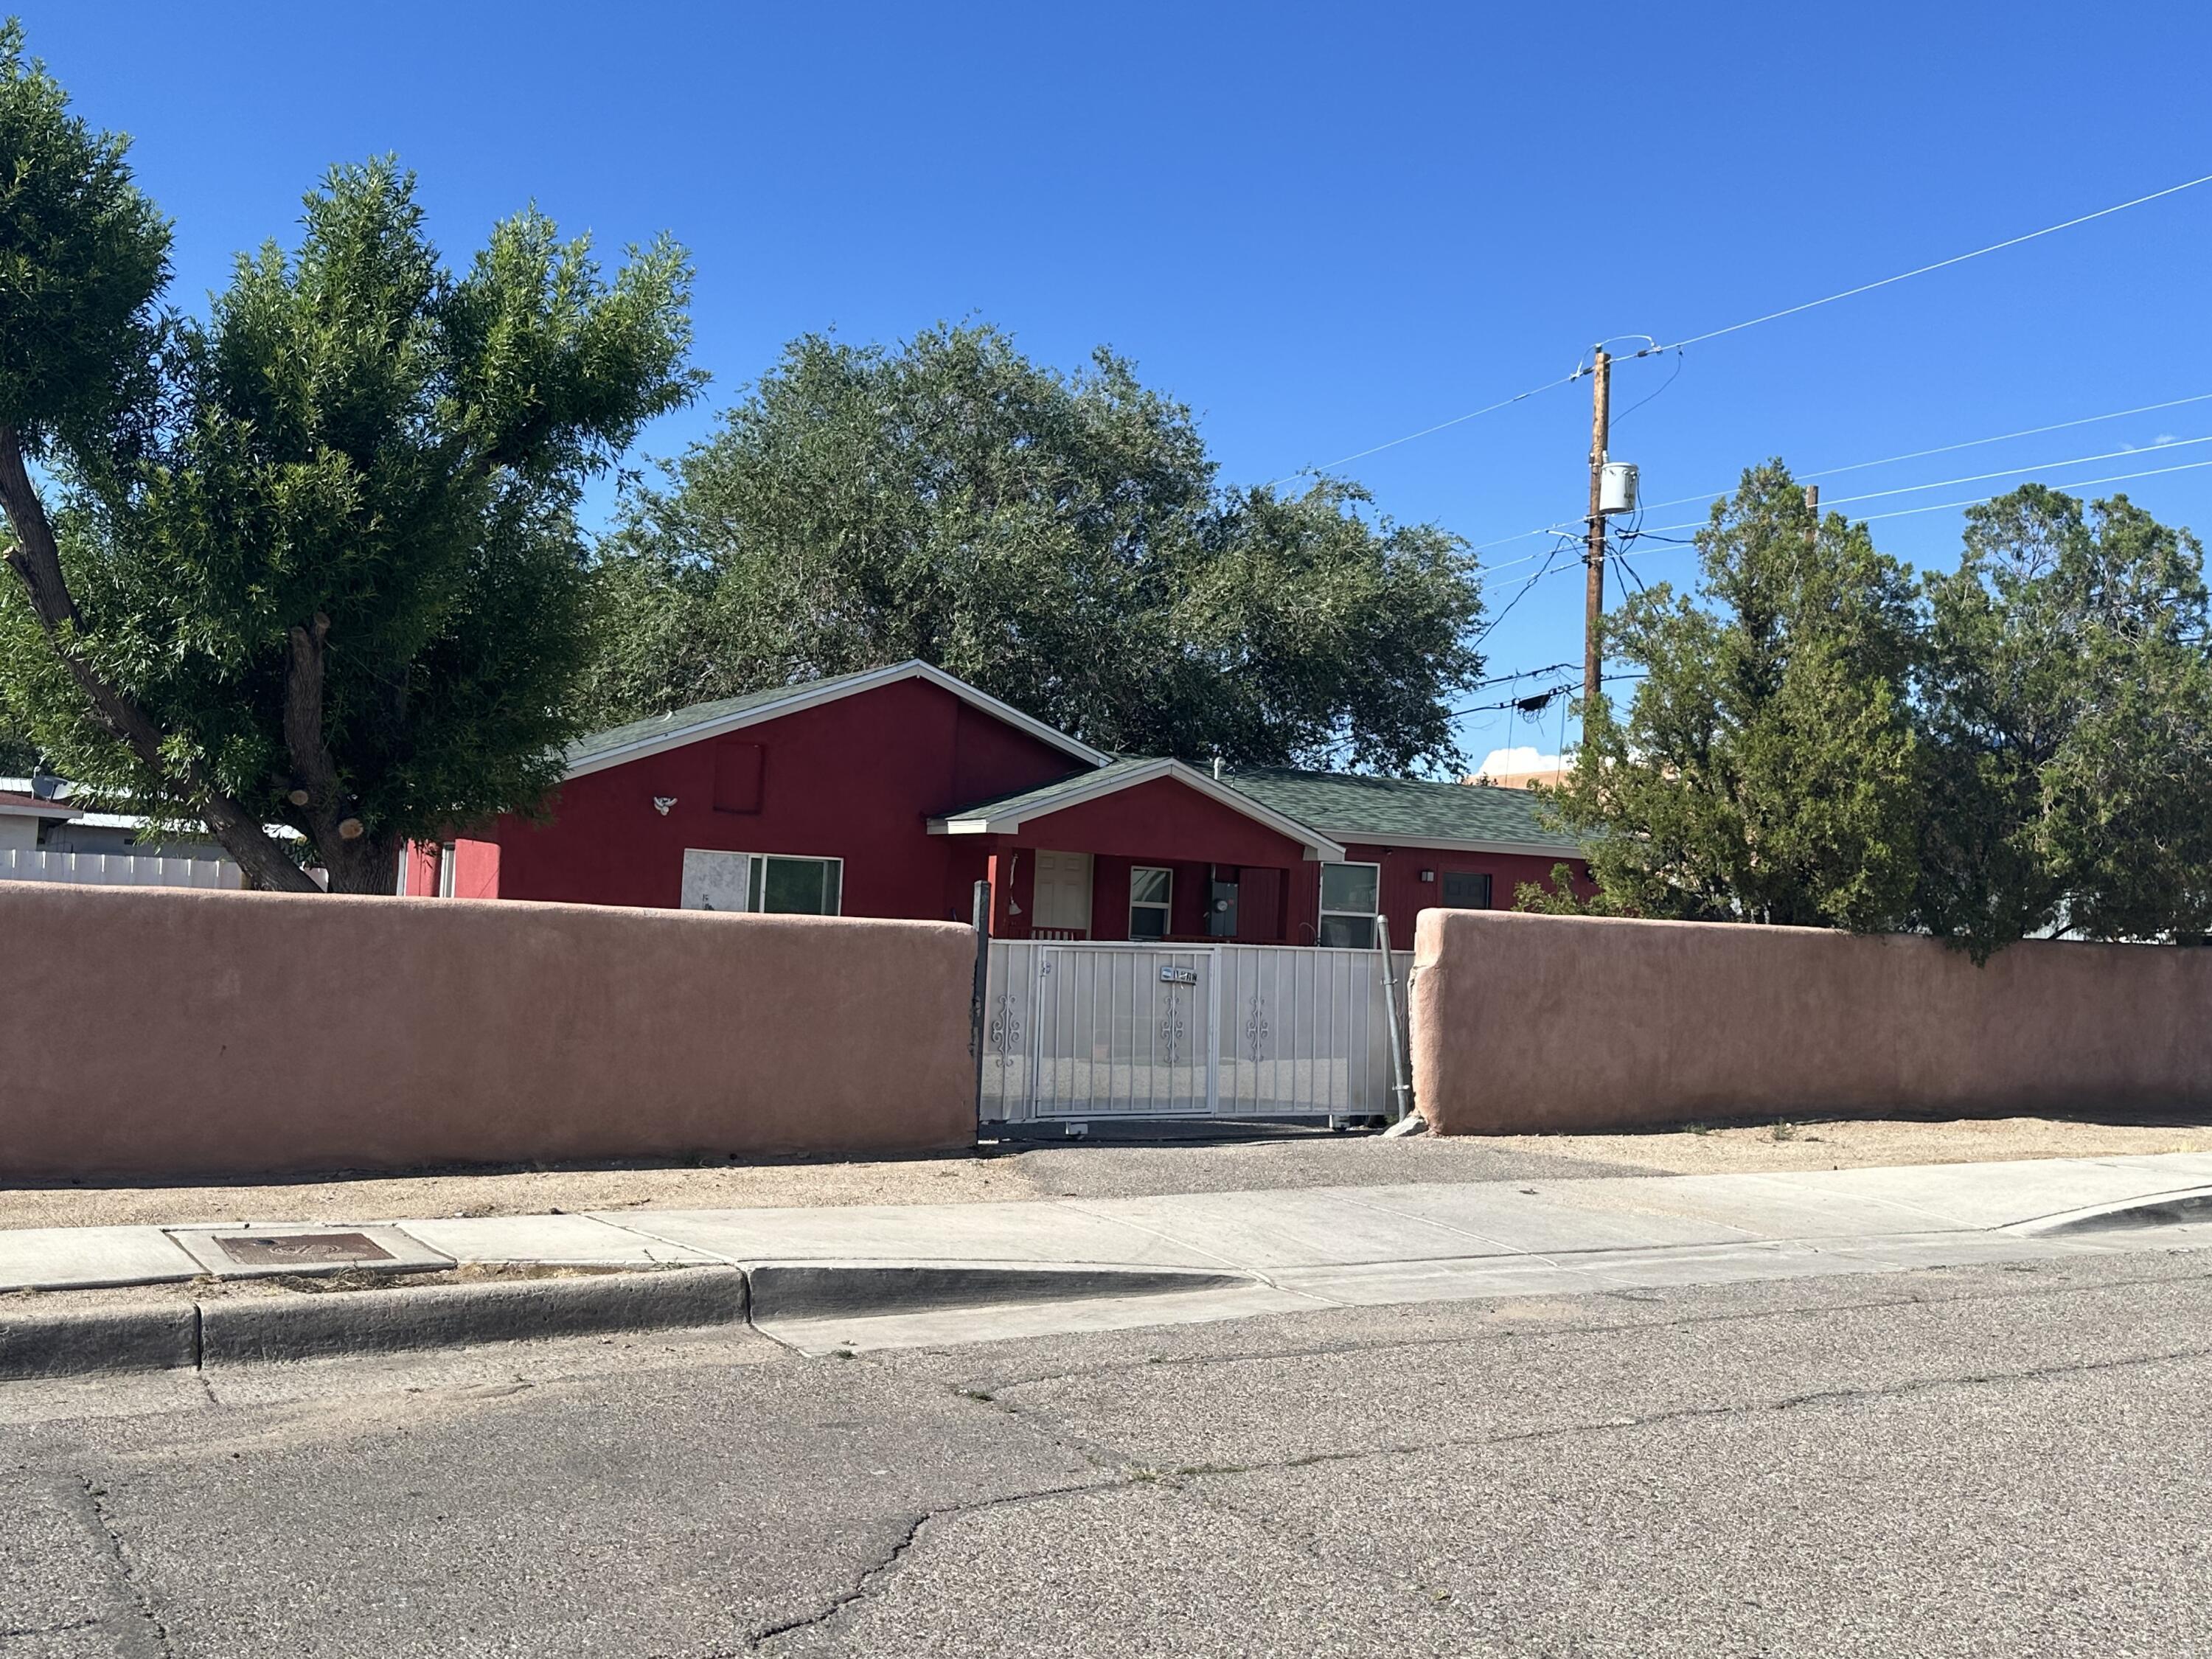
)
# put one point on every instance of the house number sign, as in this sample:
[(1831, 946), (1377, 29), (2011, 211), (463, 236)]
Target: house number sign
[(1178, 975)]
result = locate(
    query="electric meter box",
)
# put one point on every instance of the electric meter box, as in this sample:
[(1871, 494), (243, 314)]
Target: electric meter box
[(1616, 490)]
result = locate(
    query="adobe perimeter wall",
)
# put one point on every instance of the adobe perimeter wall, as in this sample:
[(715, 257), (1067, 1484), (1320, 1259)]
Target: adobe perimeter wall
[(1531, 1024), (157, 1033)]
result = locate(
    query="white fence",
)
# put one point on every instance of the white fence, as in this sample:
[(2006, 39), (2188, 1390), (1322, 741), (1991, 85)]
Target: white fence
[(1079, 1031), (117, 869)]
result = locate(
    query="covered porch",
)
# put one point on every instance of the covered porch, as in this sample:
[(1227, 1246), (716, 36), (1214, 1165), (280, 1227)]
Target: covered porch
[(1144, 850)]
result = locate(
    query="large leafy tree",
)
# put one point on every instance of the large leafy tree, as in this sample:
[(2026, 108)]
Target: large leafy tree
[(1767, 768), (1061, 542), (2067, 701), (311, 562)]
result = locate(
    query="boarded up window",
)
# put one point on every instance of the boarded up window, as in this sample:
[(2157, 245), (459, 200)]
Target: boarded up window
[(737, 777)]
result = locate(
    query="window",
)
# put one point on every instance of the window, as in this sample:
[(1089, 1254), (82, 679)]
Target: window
[(448, 858), (1151, 899), (1348, 895), (1464, 890), (797, 887), (760, 881)]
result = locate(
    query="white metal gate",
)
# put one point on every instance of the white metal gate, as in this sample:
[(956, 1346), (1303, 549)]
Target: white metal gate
[(1078, 1031)]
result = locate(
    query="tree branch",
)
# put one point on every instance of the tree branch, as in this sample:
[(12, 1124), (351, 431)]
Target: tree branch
[(36, 561)]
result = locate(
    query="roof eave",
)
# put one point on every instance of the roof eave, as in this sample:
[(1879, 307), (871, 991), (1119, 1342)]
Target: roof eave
[(1317, 847), (1461, 844), (804, 697)]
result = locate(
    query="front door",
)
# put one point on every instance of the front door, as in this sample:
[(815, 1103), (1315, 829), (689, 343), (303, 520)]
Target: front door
[(1061, 898)]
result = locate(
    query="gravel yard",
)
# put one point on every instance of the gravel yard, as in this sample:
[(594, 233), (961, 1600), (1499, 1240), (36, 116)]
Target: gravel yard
[(1099, 1169)]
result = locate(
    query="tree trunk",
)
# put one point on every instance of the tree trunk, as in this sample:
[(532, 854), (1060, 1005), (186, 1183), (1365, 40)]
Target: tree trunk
[(367, 865), (36, 561)]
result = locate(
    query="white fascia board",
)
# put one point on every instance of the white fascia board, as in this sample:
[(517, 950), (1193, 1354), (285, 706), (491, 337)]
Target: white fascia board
[(1447, 844), (46, 809), (813, 697), (1318, 847)]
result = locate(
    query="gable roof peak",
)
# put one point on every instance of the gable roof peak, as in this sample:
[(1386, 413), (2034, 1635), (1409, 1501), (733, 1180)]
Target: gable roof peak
[(657, 733)]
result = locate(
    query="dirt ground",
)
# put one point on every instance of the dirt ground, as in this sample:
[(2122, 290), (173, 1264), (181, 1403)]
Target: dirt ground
[(1099, 1169)]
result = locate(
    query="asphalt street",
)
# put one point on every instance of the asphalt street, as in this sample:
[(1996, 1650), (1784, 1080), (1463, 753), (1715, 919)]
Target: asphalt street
[(2003, 1460)]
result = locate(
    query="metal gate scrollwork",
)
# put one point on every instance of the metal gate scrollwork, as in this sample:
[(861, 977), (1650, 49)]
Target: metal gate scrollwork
[(1255, 1030), (1172, 1028), (1005, 1032)]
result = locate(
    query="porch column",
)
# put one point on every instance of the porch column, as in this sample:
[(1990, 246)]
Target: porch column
[(1012, 875)]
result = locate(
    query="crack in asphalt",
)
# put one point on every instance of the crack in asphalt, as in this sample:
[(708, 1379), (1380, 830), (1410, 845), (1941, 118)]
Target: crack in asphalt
[(1522, 1333), (1682, 1414), (872, 1577), (15, 1631), (85, 1500), (1186, 1482)]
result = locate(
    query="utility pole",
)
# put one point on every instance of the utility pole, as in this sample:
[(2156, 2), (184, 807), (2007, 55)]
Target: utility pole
[(1594, 601)]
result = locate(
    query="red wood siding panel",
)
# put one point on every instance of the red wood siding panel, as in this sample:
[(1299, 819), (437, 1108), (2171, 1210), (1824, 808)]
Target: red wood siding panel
[(738, 775), (991, 758), (1259, 905), (856, 779), (476, 869), (1159, 822), (1405, 894)]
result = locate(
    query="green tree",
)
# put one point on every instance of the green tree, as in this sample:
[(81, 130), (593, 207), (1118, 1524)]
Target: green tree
[(1768, 768), (312, 561), (1061, 542), (2067, 701)]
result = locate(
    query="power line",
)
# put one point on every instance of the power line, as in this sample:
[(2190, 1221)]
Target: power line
[(1976, 478), (1525, 674), (2077, 483), (1655, 350), (1940, 264), (1457, 420), (1856, 466), (1535, 702), (1939, 449), (1975, 501)]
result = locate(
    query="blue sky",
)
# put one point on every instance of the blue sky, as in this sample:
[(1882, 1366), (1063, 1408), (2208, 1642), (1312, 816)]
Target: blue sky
[(1321, 226)]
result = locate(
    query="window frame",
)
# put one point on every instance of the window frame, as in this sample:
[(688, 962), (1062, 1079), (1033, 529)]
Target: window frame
[(1324, 914), (754, 882), (449, 862), (1488, 879), (1165, 907)]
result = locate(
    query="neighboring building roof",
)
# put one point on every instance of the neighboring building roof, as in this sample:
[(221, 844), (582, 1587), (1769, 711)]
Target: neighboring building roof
[(1008, 813), (22, 804), (702, 720), (1404, 812)]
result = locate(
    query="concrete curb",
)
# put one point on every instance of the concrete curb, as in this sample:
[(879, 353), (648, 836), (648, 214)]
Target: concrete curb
[(152, 1336), (821, 1290), (2161, 1210), (226, 1331), (249, 1331), (221, 1332)]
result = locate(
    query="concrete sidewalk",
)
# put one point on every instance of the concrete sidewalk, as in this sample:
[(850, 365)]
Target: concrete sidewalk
[(1264, 1252)]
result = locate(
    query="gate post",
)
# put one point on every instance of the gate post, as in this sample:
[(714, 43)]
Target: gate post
[(1399, 1090), (983, 991)]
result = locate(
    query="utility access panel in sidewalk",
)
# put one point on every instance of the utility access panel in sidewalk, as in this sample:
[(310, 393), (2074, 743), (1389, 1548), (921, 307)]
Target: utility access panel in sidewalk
[(1092, 1031)]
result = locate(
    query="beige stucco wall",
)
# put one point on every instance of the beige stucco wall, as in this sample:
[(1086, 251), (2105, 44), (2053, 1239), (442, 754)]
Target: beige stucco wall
[(166, 1033), (1530, 1023)]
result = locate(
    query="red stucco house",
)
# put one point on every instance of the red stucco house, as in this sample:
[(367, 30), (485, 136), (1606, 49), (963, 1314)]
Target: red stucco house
[(892, 793)]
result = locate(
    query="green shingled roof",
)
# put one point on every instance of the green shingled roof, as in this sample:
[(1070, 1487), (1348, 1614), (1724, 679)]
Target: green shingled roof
[(1345, 807)]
